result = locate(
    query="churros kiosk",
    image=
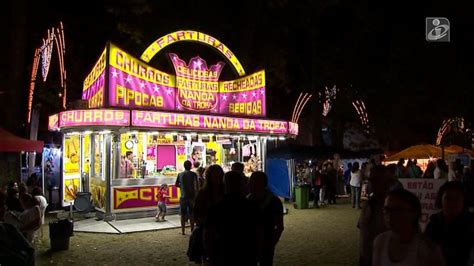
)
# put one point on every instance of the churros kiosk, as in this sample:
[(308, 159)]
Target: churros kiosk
[(141, 124)]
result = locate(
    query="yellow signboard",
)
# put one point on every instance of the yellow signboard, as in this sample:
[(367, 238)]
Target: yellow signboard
[(135, 67), (189, 35)]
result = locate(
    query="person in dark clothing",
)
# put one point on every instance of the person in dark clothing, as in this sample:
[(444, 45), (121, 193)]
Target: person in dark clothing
[(316, 185), (188, 183), (13, 198), (232, 231), (331, 183), (208, 196), (453, 227), (429, 172), (272, 215), (347, 178)]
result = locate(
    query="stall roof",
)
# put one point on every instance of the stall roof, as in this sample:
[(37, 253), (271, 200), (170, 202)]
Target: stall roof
[(426, 151), (12, 143)]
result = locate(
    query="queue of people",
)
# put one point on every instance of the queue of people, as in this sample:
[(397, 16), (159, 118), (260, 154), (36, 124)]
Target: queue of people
[(238, 221)]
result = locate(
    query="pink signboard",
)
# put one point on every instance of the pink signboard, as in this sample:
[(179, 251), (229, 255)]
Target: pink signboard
[(126, 90), (95, 93), (197, 86), (206, 122), (142, 197), (94, 117), (94, 84)]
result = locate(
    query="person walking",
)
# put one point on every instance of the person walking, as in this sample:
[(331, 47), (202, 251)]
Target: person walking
[(347, 178), (331, 183), (188, 183), (272, 215), (356, 180), (162, 197)]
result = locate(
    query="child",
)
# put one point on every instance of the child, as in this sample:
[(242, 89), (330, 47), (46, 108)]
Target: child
[(162, 195)]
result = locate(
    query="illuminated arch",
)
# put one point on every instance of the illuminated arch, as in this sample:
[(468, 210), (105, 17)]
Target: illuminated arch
[(195, 36)]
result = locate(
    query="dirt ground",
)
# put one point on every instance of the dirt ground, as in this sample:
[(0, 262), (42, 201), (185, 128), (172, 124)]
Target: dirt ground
[(326, 236)]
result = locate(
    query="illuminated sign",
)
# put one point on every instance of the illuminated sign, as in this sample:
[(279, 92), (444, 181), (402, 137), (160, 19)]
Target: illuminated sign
[(189, 35), (120, 80), (207, 123), (141, 197), (93, 88), (197, 84), (133, 83), (244, 96), (94, 117), (53, 122), (293, 128)]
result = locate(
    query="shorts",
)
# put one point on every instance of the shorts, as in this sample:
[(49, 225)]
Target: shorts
[(162, 206), (186, 206)]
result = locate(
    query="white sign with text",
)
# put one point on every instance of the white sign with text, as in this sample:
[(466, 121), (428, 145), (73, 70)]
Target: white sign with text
[(426, 190)]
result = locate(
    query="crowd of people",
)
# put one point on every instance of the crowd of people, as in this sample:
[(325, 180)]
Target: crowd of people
[(389, 223), (22, 210), (234, 220)]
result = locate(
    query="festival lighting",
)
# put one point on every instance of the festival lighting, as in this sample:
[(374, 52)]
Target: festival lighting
[(46, 51), (54, 36), (457, 122), (34, 71), (330, 96), (359, 106), (300, 104)]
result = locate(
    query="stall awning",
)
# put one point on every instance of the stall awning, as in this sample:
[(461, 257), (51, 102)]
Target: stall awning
[(425, 151), (12, 143)]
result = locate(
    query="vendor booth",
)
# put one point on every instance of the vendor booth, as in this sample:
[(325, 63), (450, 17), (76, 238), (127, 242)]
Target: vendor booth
[(141, 124), (424, 153)]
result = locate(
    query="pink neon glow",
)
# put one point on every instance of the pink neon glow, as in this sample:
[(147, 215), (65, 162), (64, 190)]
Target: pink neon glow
[(94, 117), (206, 122)]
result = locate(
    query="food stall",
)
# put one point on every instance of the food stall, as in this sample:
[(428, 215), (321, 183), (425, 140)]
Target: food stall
[(141, 124)]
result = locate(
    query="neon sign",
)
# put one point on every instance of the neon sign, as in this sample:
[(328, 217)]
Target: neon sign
[(243, 96), (206, 122), (93, 88), (133, 83), (197, 84), (94, 117), (189, 35)]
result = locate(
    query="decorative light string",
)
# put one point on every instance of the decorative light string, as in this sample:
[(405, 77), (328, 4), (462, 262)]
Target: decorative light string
[(54, 36), (359, 106), (447, 123), (329, 97), (303, 99)]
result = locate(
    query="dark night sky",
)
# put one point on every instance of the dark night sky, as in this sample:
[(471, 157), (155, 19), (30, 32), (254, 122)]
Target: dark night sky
[(370, 49)]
